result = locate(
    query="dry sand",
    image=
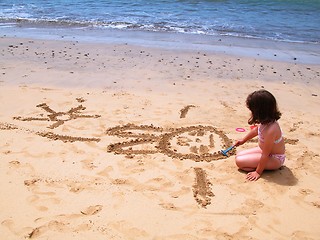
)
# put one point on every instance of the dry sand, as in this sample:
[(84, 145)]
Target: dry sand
[(101, 141)]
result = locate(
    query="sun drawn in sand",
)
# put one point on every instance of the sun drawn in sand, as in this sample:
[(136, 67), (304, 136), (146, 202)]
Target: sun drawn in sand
[(58, 118)]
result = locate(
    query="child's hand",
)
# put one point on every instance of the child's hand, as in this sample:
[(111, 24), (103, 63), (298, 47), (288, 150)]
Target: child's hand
[(239, 142), (253, 176)]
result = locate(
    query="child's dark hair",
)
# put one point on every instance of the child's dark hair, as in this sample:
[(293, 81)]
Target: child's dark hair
[(263, 107)]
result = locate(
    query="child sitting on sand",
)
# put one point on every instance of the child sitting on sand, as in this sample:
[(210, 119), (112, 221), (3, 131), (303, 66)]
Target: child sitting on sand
[(270, 154)]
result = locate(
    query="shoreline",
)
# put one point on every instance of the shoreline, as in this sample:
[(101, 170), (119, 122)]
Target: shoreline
[(72, 58), (294, 52)]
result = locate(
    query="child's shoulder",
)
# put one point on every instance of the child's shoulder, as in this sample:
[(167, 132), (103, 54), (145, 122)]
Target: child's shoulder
[(274, 127)]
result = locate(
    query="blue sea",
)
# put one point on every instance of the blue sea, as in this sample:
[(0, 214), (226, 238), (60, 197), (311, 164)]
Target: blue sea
[(280, 20)]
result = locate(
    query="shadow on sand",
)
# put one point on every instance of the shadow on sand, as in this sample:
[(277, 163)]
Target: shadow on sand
[(283, 176)]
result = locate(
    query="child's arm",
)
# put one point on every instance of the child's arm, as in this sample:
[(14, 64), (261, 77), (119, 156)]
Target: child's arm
[(250, 135)]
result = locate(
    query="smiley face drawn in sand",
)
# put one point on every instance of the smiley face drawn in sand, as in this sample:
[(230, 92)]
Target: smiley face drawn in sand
[(194, 142)]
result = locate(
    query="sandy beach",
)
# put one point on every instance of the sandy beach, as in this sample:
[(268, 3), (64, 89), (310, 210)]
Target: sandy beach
[(120, 141)]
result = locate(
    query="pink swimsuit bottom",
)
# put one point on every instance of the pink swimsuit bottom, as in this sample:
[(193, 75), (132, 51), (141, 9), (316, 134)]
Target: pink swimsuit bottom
[(280, 157)]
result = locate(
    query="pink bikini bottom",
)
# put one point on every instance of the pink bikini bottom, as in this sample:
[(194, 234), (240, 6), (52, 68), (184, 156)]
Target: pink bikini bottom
[(280, 157)]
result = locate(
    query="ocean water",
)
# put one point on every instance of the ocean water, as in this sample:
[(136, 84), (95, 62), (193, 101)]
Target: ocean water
[(280, 20)]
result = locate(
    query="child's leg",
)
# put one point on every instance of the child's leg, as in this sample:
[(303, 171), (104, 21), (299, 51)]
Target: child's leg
[(249, 151), (249, 159)]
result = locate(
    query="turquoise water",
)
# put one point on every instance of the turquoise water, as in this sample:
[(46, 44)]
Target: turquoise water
[(283, 20)]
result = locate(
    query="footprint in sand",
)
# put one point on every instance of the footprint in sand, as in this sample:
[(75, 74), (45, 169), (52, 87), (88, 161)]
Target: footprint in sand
[(40, 200), (92, 210), (126, 229)]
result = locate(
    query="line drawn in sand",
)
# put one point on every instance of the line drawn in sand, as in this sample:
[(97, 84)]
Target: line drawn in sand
[(202, 188), (184, 111)]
